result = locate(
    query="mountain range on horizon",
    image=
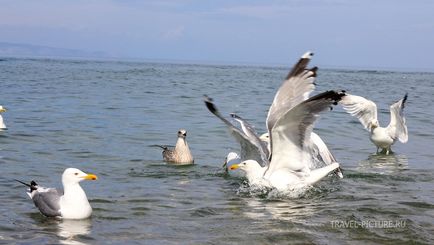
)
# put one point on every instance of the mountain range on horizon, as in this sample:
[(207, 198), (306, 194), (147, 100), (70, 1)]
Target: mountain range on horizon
[(31, 50)]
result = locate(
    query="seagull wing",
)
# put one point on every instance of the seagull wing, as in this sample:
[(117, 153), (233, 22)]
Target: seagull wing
[(47, 201), (253, 137), (249, 149), (364, 109), (291, 134), (321, 150), (299, 83), (322, 154), (397, 128)]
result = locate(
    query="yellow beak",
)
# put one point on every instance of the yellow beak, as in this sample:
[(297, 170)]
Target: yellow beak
[(90, 177), (3, 110), (235, 166)]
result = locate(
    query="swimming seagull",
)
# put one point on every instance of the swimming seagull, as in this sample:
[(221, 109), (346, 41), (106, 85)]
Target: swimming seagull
[(366, 111), (71, 204), (2, 124), (181, 153), (290, 138)]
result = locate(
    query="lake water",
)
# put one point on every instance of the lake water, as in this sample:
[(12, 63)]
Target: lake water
[(101, 117)]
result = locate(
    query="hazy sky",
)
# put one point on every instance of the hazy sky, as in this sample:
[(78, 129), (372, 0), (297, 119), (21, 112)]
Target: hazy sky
[(342, 33)]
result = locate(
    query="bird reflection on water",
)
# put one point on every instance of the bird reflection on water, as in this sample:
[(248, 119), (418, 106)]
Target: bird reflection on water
[(72, 230), (382, 163)]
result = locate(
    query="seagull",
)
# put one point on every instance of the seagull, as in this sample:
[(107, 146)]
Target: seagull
[(72, 203), (181, 153), (231, 159), (290, 140), (366, 111), (296, 88), (2, 124)]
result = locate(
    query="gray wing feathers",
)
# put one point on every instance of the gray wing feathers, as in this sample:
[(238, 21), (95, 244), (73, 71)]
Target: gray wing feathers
[(299, 83), (47, 201), (293, 130), (248, 148), (321, 150), (253, 138), (397, 127), (322, 154)]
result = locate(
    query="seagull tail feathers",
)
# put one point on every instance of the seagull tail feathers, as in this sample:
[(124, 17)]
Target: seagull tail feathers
[(317, 174), (33, 186), (164, 147)]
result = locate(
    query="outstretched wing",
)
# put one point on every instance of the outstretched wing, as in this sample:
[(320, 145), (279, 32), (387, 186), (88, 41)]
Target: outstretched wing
[(253, 137), (364, 109), (292, 132), (299, 83), (397, 128), (249, 149)]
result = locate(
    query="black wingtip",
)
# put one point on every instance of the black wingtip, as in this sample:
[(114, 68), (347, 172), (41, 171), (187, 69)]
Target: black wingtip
[(331, 94), (405, 98), (210, 105)]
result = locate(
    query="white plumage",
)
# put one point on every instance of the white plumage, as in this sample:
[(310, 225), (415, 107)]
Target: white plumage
[(71, 204), (366, 111), (290, 148), (2, 124)]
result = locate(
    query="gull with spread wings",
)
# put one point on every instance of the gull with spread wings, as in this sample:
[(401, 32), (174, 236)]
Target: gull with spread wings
[(290, 143), (296, 88), (366, 111)]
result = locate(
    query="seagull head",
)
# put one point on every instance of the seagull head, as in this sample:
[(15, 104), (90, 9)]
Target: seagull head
[(232, 156), (373, 124), (248, 166), (231, 159), (2, 109), (73, 176), (265, 137), (182, 133)]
